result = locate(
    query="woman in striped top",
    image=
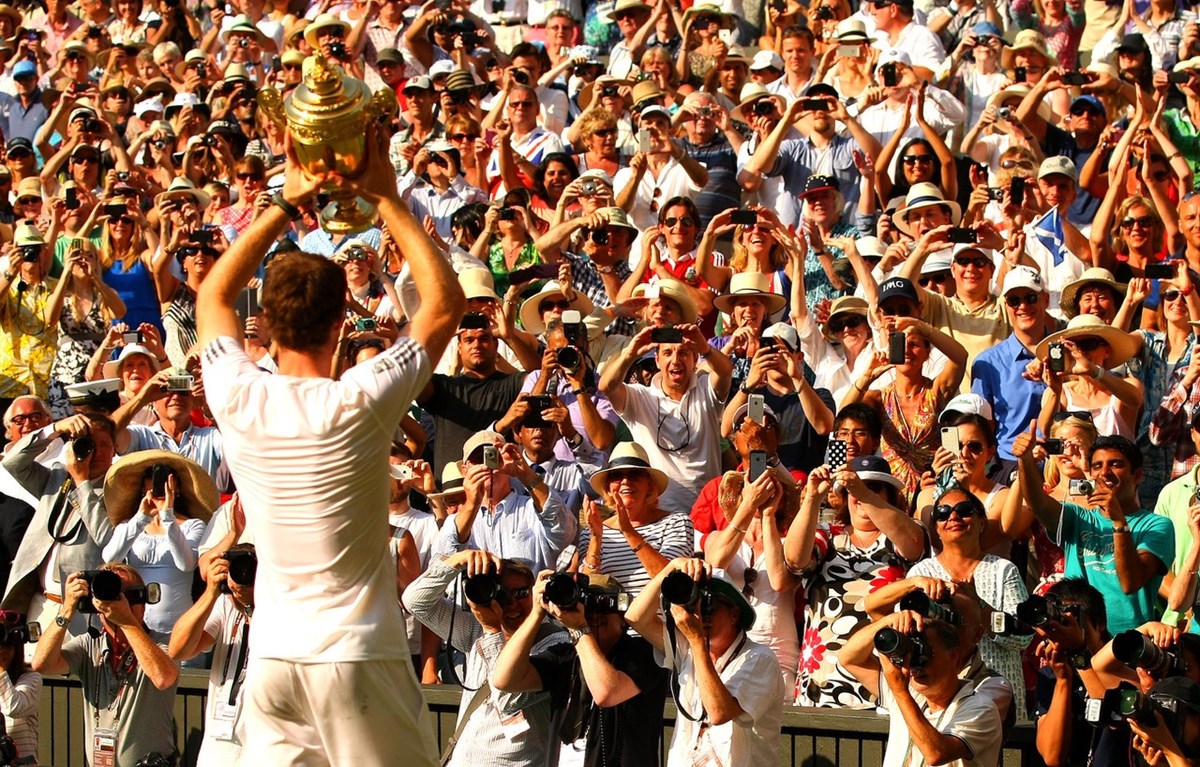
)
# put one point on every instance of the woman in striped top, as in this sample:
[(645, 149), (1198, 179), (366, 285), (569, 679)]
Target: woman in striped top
[(630, 537)]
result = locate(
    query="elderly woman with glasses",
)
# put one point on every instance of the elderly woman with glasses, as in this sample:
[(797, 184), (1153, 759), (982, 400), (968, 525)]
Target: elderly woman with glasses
[(600, 134), (629, 536), (962, 564), (840, 560)]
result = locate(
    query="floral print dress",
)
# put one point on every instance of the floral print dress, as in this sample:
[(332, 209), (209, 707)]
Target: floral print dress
[(836, 587), (908, 447), (77, 342)]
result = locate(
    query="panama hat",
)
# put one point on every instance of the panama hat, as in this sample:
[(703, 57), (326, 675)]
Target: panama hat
[(629, 455), (112, 368), (750, 285), (750, 95), (728, 20), (589, 90), (1027, 40), (181, 188), (324, 21), (627, 5), (123, 484), (452, 482), (925, 195), (1096, 275), (1018, 91), (674, 290), (531, 316), (1090, 326), (242, 24), (844, 305), (478, 283)]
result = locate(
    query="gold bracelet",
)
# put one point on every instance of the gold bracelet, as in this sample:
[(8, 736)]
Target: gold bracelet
[(640, 546)]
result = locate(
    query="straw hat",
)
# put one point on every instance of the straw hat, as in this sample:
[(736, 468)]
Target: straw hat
[(1096, 275), (925, 195), (1090, 326), (646, 90), (452, 482), (750, 285), (182, 188), (1017, 91), (674, 290), (629, 455), (844, 305), (324, 21), (627, 5), (28, 234), (531, 317), (478, 283), (112, 368), (123, 484), (728, 20), (751, 94), (1027, 40)]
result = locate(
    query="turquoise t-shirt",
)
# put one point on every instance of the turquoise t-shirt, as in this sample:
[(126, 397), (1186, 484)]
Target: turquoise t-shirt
[(1086, 537)]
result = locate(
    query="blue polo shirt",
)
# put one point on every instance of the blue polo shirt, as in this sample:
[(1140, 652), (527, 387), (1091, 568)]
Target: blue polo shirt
[(799, 158), (997, 377), (19, 122)]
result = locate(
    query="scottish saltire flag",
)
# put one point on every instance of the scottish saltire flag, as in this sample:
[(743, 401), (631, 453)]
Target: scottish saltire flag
[(1049, 231)]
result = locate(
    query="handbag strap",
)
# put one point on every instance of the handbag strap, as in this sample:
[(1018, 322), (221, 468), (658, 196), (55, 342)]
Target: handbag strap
[(477, 699)]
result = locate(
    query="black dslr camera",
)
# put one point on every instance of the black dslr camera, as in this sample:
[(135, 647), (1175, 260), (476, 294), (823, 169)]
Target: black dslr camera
[(1136, 650), (921, 604), (569, 589), (485, 588), (106, 585), (243, 567), (911, 650), (678, 588)]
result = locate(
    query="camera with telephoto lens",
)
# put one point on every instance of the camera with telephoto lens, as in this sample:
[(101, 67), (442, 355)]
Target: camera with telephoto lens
[(102, 584), (909, 650), (1037, 611), (678, 588), (921, 604), (569, 589), (19, 633), (1136, 650), (243, 567), (83, 446), (763, 108), (569, 359)]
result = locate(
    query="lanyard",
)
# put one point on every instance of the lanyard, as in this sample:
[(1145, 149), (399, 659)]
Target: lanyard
[(65, 502), (243, 648), (125, 666)]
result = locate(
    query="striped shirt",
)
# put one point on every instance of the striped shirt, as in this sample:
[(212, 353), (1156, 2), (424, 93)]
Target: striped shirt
[(672, 536)]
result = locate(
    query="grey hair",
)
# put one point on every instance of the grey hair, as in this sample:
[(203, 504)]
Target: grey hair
[(25, 398)]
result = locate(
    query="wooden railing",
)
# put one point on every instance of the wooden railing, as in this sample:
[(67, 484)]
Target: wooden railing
[(812, 737)]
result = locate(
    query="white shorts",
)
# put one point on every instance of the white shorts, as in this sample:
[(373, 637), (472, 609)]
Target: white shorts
[(361, 713)]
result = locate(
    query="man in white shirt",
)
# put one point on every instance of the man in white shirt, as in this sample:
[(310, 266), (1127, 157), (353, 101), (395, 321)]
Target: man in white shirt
[(798, 71), (554, 105), (528, 142), (675, 418), (895, 28), (942, 111), (325, 639)]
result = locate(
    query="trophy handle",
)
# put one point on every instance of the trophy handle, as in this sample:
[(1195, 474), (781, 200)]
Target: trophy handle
[(382, 104), (271, 103)]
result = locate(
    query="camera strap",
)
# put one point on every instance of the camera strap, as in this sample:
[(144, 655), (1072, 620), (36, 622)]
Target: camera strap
[(66, 502), (481, 694)]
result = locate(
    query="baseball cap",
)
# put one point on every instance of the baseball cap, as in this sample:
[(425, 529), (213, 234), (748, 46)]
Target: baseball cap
[(1089, 101), (784, 332), (938, 262), (817, 90), (1023, 277), (655, 109), (24, 68), (874, 468), (899, 287), (987, 29), (419, 83), (744, 408), (1134, 43), (766, 60), (895, 55), (1058, 164), (389, 55), (966, 404), (19, 144), (440, 68)]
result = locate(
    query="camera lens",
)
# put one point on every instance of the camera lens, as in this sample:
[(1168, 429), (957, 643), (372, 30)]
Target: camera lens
[(678, 588), (105, 585), (243, 567), (83, 446), (569, 359), (1036, 611), (565, 589), (893, 644), (1136, 650), (920, 603), (482, 589)]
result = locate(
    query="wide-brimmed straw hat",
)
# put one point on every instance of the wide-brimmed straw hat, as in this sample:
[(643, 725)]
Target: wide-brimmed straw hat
[(1096, 275), (124, 481), (1121, 344), (844, 305), (531, 315), (674, 290), (925, 195), (625, 456), (750, 285)]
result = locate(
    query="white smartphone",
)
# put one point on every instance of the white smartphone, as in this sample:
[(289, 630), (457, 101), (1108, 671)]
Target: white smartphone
[(950, 440)]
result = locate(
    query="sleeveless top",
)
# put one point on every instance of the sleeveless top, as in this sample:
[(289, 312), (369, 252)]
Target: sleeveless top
[(908, 447), (1106, 418), (136, 289)]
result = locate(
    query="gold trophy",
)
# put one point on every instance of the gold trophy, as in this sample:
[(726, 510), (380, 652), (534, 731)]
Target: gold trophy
[(327, 116)]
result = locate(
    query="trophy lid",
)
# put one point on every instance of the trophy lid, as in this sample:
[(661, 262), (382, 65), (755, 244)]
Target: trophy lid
[(326, 93)]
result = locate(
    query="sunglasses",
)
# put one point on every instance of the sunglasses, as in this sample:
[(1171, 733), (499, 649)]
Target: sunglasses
[(29, 200), (934, 279), (1024, 298), (605, 132), (750, 576), (840, 324), (913, 159), (1145, 222), (672, 222), (972, 446), (87, 158), (464, 137), (1090, 344), (964, 509), (521, 104), (562, 305), (293, 67), (979, 262), (1063, 415), (1171, 295), (249, 177), (521, 593), (1010, 164)]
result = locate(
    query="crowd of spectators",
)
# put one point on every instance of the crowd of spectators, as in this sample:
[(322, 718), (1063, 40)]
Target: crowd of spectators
[(821, 354)]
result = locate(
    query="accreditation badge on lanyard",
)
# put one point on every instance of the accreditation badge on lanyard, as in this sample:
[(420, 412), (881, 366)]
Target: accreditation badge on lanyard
[(227, 704), (104, 748), (704, 753), (104, 739)]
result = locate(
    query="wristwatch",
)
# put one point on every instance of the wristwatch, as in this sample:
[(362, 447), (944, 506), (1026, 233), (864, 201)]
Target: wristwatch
[(1080, 659), (61, 621), (576, 634)]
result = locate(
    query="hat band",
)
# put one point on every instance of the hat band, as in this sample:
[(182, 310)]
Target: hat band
[(454, 484), (628, 462), (928, 199)]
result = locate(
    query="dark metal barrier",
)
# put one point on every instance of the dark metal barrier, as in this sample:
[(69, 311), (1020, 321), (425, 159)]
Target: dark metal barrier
[(811, 737)]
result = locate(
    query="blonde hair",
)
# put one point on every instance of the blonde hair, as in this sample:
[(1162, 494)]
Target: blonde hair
[(1157, 232), (1052, 473)]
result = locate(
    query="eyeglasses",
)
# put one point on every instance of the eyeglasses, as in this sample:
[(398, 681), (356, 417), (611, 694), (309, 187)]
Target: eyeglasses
[(1171, 295), (1145, 222), (837, 326), (21, 420), (298, 67), (849, 434), (1090, 344), (29, 200), (913, 159), (464, 136), (749, 576), (521, 104), (964, 509), (673, 221), (687, 435), (1062, 415), (934, 279), (561, 304), (1023, 298), (979, 262), (249, 177)]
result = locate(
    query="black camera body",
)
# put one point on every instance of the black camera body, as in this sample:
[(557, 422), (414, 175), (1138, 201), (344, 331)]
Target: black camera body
[(678, 588), (1037, 611), (83, 446), (485, 588), (566, 589), (243, 567), (908, 650), (31, 253), (921, 603), (507, 214), (569, 359), (102, 584), (337, 50)]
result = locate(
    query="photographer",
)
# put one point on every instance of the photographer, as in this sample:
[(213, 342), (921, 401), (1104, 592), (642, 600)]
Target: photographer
[(616, 707), (70, 526), (220, 621), (730, 690), (512, 728), (951, 722), (1073, 633), (1109, 540), (1174, 744), (20, 691), (128, 679)]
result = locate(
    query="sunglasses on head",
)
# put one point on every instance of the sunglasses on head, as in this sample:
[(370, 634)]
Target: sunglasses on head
[(1063, 415), (1016, 299), (964, 509), (850, 321)]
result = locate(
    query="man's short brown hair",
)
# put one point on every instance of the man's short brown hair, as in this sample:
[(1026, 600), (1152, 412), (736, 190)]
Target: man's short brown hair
[(304, 297)]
